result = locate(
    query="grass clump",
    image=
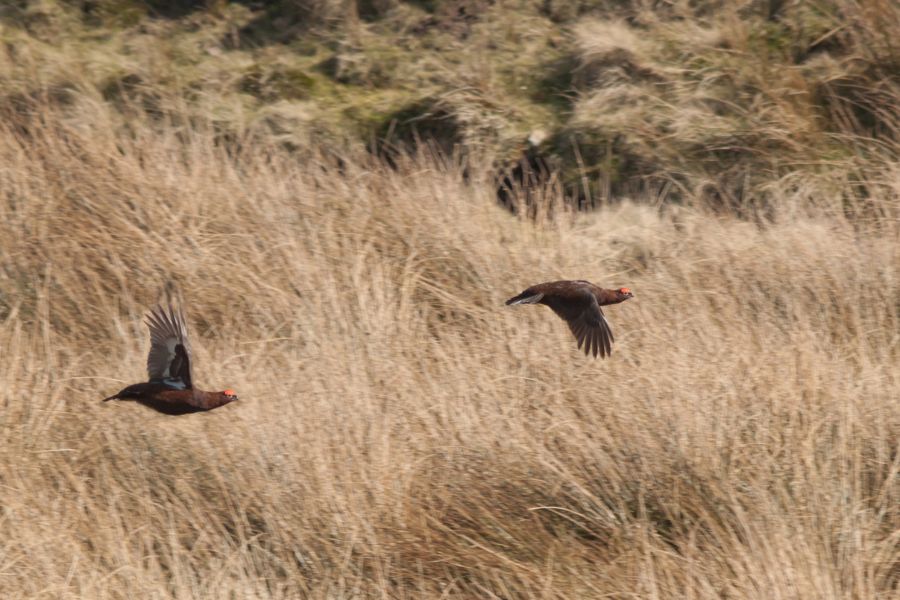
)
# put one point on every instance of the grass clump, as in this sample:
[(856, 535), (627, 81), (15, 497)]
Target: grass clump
[(400, 432), (705, 98)]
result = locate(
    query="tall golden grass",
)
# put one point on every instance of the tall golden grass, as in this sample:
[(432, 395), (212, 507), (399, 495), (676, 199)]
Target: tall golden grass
[(400, 432)]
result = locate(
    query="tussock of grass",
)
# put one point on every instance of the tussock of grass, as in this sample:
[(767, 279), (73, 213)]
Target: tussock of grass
[(709, 98), (401, 432)]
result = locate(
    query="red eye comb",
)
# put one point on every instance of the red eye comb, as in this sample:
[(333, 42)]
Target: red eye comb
[(229, 393), (625, 290)]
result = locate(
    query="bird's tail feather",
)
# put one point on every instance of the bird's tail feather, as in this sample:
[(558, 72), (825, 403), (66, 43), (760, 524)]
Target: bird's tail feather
[(526, 297)]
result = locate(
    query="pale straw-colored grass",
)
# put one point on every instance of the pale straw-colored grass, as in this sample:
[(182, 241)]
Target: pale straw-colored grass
[(400, 432)]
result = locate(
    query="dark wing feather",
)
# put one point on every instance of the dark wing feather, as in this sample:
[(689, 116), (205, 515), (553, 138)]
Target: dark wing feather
[(578, 306), (169, 360), (592, 331)]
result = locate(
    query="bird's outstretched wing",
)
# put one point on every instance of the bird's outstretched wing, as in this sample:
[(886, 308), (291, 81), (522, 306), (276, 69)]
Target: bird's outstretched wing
[(169, 360), (578, 306)]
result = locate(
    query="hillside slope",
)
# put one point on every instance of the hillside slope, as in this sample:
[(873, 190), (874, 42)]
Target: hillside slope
[(401, 433), (674, 98)]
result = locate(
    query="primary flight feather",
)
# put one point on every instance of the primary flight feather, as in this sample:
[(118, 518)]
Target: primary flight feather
[(169, 388), (578, 303)]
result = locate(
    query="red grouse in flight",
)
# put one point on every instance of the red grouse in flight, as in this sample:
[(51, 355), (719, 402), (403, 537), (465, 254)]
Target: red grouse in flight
[(578, 304), (169, 389)]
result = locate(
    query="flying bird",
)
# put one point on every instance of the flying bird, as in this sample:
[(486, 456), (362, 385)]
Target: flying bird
[(578, 304), (170, 389)]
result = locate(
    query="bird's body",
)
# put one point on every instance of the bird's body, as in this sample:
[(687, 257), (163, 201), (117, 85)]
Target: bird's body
[(170, 389), (172, 401), (578, 303)]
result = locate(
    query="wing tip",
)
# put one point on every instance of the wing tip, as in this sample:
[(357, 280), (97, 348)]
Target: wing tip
[(525, 297), (592, 341)]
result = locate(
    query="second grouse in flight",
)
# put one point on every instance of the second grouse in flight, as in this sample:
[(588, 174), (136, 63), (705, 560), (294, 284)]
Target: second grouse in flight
[(578, 304), (170, 389)]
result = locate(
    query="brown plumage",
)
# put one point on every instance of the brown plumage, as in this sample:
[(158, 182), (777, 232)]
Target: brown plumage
[(578, 304), (170, 389)]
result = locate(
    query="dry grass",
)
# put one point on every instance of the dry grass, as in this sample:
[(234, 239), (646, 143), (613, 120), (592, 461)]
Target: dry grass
[(400, 432), (719, 98), (722, 99)]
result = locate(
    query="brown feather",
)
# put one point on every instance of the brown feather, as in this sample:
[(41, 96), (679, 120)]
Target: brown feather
[(170, 388), (171, 401), (578, 303), (169, 359)]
